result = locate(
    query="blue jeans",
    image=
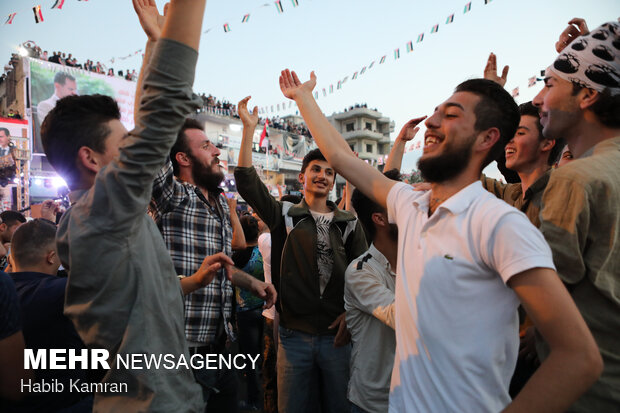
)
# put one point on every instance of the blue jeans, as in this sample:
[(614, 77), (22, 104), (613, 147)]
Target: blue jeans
[(313, 375)]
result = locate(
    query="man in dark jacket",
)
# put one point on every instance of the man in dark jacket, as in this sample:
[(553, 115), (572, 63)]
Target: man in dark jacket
[(312, 244)]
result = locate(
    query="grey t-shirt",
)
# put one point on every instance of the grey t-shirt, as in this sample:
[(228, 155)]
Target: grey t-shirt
[(324, 252)]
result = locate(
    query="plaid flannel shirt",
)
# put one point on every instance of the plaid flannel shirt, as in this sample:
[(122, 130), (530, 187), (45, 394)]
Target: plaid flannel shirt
[(193, 230)]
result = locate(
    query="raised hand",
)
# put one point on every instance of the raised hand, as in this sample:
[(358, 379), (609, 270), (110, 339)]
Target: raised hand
[(291, 86), (249, 120), (410, 129), (576, 27), (151, 21), (490, 71), (49, 209)]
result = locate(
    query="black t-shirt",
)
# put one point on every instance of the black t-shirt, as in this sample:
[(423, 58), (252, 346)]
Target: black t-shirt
[(10, 319)]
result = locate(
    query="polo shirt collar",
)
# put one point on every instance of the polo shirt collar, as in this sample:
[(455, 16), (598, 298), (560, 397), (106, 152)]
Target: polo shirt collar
[(460, 201)]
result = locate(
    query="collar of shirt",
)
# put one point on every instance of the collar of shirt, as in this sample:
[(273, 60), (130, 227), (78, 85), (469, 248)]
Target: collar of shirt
[(538, 186), (380, 258), (457, 203)]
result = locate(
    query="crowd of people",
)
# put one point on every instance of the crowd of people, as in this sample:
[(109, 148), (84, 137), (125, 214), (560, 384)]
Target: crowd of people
[(457, 293)]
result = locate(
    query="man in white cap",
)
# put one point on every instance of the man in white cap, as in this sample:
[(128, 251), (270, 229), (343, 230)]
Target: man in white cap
[(580, 217)]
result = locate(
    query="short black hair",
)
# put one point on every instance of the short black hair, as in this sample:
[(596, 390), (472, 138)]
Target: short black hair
[(250, 227), (365, 207), (29, 243), (74, 122), (313, 155), (496, 109), (6, 131), (606, 107), (62, 77), (11, 218), (181, 143), (528, 109)]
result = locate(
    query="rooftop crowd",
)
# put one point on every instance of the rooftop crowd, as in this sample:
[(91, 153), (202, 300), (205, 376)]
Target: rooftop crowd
[(459, 293)]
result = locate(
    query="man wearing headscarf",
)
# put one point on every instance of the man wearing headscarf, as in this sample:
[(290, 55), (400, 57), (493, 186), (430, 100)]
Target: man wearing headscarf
[(580, 218)]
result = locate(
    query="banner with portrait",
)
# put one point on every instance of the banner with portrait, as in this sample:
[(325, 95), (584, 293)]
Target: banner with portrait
[(50, 82)]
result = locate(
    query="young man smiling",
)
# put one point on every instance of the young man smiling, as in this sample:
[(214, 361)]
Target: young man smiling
[(459, 248), (580, 218), (312, 244)]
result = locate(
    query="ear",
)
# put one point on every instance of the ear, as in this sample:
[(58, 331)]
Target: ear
[(50, 257), (587, 97), (3, 227), (88, 159), (182, 159), (547, 144), (379, 219), (300, 178), (487, 139)]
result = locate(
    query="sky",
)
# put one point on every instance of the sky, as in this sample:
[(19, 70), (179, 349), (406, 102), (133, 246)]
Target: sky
[(335, 38)]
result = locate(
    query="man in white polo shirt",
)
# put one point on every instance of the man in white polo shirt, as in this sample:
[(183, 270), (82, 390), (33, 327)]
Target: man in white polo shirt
[(465, 260)]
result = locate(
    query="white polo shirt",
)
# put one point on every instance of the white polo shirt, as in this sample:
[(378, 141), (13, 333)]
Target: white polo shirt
[(456, 319)]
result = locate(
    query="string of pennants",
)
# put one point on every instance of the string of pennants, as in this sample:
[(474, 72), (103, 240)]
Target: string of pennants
[(38, 13), (324, 91)]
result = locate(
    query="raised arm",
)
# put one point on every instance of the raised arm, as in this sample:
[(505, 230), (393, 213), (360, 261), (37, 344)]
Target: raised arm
[(250, 121), (152, 23), (333, 146), (407, 133)]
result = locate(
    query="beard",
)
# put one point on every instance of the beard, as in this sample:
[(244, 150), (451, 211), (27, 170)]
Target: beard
[(203, 175), (447, 165)]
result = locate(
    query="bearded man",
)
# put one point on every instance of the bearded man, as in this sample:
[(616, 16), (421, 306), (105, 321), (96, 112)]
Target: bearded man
[(195, 221)]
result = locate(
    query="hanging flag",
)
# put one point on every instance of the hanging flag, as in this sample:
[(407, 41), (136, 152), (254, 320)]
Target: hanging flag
[(226, 28), (316, 95), (339, 85), (450, 19), (290, 104), (354, 76), (396, 54), (531, 81), (420, 37), (515, 92), (363, 70), (271, 108), (487, 1), (331, 88), (278, 106), (324, 92), (371, 64), (279, 6), (467, 8), (38, 16), (295, 3), (58, 4), (245, 18), (409, 46), (207, 31), (9, 20), (265, 133), (435, 28), (345, 79), (382, 60)]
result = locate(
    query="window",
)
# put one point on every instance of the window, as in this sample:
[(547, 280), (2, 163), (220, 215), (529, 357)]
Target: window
[(368, 126), (350, 127), (369, 147), (352, 147)]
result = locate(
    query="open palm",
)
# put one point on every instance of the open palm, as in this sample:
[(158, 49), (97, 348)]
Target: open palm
[(291, 86), (248, 119), (151, 21)]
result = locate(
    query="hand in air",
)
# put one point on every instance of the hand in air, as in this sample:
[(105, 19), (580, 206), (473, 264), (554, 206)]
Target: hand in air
[(291, 86), (576, 27), (151, 21), (248, 119), (490, 71), (410, 129)]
